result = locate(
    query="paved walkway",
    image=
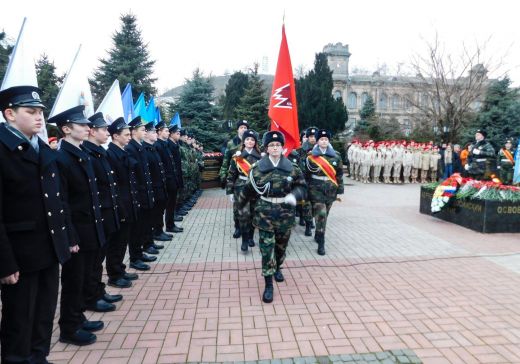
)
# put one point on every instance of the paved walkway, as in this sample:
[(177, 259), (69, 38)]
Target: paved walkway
[(393, 281)]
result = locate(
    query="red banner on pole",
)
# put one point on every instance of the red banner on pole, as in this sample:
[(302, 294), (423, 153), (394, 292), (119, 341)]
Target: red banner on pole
[(283, 110)]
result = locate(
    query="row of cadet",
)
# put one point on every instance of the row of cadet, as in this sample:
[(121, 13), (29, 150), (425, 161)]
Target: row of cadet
[(77, 206)]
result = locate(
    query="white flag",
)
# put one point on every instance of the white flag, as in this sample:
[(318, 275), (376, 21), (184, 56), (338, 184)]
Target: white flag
[(75, 90), (112, 104)]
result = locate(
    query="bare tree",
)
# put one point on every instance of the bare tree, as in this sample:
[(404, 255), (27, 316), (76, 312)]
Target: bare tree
[(447, 88)]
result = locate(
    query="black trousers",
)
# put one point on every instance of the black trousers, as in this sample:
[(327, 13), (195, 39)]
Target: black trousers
[(28, 309), (141, 234), (94, 287), (158, 215), (171, 206), (75, 273), (116, 249)]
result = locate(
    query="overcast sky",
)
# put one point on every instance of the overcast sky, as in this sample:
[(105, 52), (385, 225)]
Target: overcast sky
[(220, 36)]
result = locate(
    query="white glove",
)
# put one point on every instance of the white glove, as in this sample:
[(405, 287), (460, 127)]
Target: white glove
[(466, 167), (476, 151), (290, 199), (232, 198)]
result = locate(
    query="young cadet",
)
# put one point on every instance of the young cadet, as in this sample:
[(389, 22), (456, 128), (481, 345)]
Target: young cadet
[(128, 205), (142, 228), (82, 207), (33, 230), (277, 184), (172, 206), (324, 170)]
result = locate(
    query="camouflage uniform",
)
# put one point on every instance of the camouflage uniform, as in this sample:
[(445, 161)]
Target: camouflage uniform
[(185, 168), (273, 218), (505, 167), (322, 191), (306, 204), (231, 147), (480, 165), (236, 180)]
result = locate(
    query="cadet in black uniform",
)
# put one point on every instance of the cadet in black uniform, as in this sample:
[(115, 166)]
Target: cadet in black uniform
[(82, 207), (128, 206), (96, 295), (145, 196), (159, 190), (172, 206), (33, 231)]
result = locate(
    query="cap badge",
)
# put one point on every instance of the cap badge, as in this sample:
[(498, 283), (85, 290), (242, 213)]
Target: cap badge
[(35, 95)]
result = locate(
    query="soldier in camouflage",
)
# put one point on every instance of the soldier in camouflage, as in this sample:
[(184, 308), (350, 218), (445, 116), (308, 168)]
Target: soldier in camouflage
[(232, 146), (277, 184), (324, 171), (506, 163), (481, 157), (306, 148), (239, 168)]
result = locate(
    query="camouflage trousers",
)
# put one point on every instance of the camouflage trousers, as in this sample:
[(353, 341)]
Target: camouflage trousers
[(506, 175), (321, 212), (273, 246)]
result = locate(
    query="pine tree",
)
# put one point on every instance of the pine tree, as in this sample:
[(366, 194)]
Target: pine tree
[(196, 109), (368, 123), (316, 105), (499, 115), (235, 89), (48, 81), (253, 105), (5, 50), (128, 61)]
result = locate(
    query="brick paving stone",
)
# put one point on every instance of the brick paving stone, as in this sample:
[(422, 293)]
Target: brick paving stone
[(392, 279)]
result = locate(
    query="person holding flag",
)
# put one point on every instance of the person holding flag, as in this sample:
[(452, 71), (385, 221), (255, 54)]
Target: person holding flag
[(239, 169), (506, 163), (324, 173)]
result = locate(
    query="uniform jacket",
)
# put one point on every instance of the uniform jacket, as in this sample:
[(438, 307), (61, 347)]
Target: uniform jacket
[(174, 147), (107, 187), (324, 190), (231, 147), (33, 229), (124, 176), (168, 162), (138, 158), (81, 198), (233, 180), (156, 171)]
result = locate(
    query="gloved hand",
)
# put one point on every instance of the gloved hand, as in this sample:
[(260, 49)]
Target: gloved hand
[(476, 151), (466, 167), (232, 198), (290, 199)]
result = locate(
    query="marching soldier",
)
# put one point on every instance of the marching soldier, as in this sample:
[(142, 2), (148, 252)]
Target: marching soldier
[(481, 157), (324, 169), (141, 231), (83, 208), (306, 148), (128, 205), (236, 179), (34, 233), (506, 163), (278, 184), (107, 194)]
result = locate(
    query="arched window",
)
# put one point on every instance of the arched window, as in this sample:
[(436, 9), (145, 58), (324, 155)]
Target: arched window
[(364, 97), (337, 94), (396, 102), (352, 100), (383, 101)]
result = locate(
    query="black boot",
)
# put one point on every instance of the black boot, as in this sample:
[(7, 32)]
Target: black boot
[(245, 242), (308, 228), (321, 243), (237, 233), (312, 224), (268, 292), (302, 221), (278, 276), (250, 240)]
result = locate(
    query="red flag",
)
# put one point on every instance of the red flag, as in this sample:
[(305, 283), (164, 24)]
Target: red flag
[(282, 105)]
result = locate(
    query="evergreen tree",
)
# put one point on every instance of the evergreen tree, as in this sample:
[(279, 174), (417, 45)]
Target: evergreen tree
[(253, 105), (128, 61), (235, 89), (368, 123), (196, 109), (48, 81), (499, 115), (5, 50), (316, 105)]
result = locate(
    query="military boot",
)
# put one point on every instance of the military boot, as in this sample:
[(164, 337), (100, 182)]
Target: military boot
[(245, 242), (250, 240), (236, 233), (278, 275), (308, 228), (268, 292), (321, 243), (302, 220)]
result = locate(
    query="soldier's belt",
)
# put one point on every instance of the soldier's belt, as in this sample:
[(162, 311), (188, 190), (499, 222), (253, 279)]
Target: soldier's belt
[(506, 160), (481, 160), (321, 178), (243, 177), (273, 199)]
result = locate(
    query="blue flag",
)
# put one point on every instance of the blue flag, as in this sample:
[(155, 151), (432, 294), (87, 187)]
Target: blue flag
[(176, 120), (140, 107), (158, 117), (516, 175), (128, 103), (150, 111)]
